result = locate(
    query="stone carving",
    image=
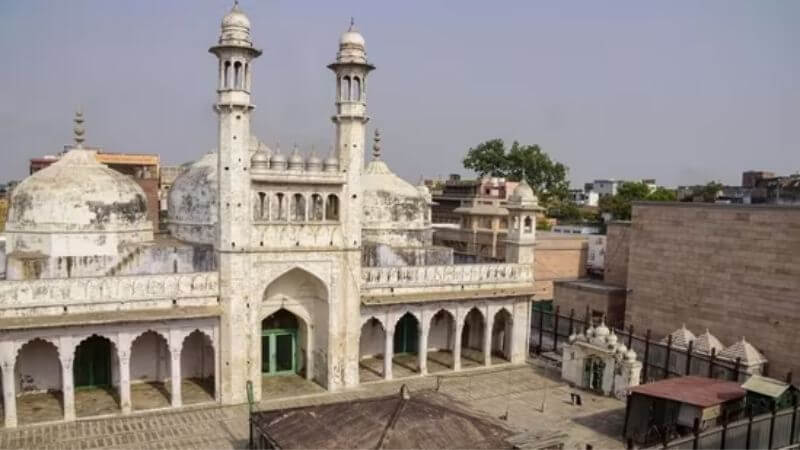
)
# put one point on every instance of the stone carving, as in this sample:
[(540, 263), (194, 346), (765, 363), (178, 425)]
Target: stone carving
[(375, 277), (30, 293)]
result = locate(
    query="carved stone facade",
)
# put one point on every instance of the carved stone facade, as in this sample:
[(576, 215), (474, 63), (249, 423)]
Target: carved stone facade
[(265, 270)]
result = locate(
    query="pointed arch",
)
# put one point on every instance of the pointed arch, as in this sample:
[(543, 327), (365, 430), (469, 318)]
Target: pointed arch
[(502, 331), (198, 365), (150, 371), (38, 377)]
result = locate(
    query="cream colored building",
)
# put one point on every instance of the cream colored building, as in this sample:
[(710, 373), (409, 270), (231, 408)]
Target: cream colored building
[(276, 264)]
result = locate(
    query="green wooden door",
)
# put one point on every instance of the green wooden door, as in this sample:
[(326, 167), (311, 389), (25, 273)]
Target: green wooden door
[(92, 365), (406, 335), (279, 351)]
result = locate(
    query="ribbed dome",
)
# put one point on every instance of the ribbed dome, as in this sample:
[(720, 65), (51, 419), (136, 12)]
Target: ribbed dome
[(523, 193), (236, 18), (193, 203), (390, 202), (77, 193)]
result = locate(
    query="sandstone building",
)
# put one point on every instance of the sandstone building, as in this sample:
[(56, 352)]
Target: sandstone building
[(316, 267)]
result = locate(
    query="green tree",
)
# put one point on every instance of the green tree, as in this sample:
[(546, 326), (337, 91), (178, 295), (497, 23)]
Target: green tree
[(548, 178), (619, 205), (709, 191)]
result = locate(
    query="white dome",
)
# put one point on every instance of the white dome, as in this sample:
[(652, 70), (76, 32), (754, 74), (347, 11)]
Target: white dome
[(352, 37), (78, 194), (523, 194), (235, 18), (193, 204), (394, 211)]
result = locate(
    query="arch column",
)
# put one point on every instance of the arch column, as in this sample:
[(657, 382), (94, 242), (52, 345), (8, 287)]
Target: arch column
[(422, 353), (457, 344), (487, 339), (124, 358), (175, 374), (309, 351), (9, 393), (68, 388), (388, 354)]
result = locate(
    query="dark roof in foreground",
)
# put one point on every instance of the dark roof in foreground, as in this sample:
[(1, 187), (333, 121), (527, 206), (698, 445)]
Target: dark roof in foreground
[(694, 390), (425, 420)]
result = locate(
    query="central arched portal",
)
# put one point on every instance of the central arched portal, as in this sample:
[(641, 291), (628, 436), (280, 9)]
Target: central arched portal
[(280, 333), (294, 334)]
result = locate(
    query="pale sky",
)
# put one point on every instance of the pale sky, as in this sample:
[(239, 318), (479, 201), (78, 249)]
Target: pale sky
[(681, 91)]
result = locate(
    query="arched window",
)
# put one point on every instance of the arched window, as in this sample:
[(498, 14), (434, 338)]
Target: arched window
[(346, 89), (317, 208), (356, 89), (262, 211), (332, 208), (528, 224), (226, 82), (298, 208), (279, 208), (246, 77), (237, 75)]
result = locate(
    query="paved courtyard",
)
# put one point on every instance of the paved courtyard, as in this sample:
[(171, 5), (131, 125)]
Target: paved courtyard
[(530, 398)]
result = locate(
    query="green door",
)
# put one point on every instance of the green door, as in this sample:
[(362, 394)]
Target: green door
[(92, 366), (406, 335), (279, 351)]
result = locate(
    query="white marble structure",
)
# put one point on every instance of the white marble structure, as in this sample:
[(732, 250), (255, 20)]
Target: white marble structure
[(596, 361), (275, 263)]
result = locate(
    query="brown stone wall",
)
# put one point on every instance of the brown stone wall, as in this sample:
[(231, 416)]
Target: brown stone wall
[(733, 269), (618, 236), (558, 257), (601, 300), (150, 187)]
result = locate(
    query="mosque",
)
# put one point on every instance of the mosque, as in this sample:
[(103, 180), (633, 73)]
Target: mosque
[(320, 271)]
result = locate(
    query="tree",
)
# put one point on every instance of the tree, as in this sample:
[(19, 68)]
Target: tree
[(709, 192), (619, 205), (548, 178)]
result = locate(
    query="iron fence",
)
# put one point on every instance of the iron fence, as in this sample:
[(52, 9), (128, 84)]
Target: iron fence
[(777, 429), (660, 360)]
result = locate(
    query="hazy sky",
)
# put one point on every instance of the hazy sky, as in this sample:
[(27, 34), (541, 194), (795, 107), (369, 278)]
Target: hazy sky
[(680, 91)]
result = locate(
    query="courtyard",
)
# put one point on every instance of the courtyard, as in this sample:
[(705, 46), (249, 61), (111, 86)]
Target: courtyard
[(531, 399)]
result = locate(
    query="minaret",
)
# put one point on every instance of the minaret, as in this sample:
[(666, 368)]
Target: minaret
[(236, 53), (351, 69), (522, 208)]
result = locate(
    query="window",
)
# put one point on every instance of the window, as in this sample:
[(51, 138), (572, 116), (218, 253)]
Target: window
[(298, 208), (356, 89), (227, 76), (237, 75), (345, 89), (279, 208), (332, 208), (528, 224), (317, 208), (262, 207)]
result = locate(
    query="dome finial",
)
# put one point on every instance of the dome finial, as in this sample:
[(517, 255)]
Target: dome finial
[(235, 5), (79, 130), (376, 146), (352, 24)]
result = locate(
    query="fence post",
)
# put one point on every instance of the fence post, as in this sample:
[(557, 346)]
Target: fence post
[(541, 330), (789, 377), (772, 425), (794, 417), (696, 432), (666, 360), (587, 318), (749, 426), (555, 329), (724, 431), (711, 363), (628, 402), (646, 354), (571, 320), (689, 358), (630, 336), (736, 368)]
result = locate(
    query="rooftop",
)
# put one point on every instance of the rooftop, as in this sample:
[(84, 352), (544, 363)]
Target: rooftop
[(422, 420), (693, 390), (765, 386)]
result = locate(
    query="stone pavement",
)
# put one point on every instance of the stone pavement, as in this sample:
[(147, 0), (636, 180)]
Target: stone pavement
[(530, 397)]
